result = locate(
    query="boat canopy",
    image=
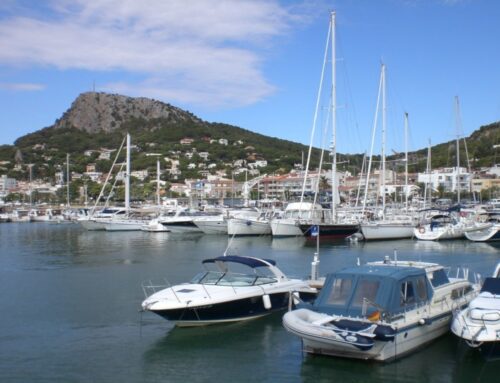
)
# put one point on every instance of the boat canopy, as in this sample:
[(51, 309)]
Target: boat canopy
[(491, 285), (248, 261), (372, 289)]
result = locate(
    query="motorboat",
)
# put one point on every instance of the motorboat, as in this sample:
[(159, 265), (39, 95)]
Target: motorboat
[(181, 221), (212, 224), (489, 233), (288, 224), (155, 226), (380, 310), (231, 288), (249, 222), (479, 323)]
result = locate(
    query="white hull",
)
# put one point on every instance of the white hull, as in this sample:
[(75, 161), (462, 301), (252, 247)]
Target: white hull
[(285, 227), (247, 226), (386, 230), (426, 233), (91, 224), (212, 226), (491, 233), (154, 226), (123, 225), (410, 337)]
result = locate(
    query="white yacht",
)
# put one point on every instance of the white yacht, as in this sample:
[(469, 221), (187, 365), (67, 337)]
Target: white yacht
[(249, 223), (215, 224), (287, 225), (240, 288), (380, 311), (479, 323)]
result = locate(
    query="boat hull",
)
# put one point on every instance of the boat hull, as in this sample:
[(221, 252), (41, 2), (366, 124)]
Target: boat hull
[(285, 228), (319, 340), (230, 311), (485, 235), (243, 226), (334, 231), (212, 227), (382, 231)]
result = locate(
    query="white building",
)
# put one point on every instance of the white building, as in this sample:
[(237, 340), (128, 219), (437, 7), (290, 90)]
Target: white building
[(447, 178)]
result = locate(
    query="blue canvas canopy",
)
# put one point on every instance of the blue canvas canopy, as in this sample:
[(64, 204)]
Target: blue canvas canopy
[(251, 262), (384, 289)]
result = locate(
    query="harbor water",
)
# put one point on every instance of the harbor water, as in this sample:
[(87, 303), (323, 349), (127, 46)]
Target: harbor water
[(70, 303)]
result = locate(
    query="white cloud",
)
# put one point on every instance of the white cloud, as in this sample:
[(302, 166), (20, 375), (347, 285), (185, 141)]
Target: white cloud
[(206, 52), (24, 87)]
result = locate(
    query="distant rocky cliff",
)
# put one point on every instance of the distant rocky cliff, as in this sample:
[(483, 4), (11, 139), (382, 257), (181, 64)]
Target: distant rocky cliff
[(92, 112)]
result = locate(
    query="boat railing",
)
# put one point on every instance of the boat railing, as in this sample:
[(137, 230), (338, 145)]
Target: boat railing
[(151, 287)]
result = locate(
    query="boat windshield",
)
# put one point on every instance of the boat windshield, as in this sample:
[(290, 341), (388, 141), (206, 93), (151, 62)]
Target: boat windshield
[(231, 279)]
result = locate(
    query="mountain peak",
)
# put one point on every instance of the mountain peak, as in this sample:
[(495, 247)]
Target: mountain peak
[(93, 111)]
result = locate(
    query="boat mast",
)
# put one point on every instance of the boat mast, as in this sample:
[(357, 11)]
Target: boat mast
[(158, 182), (457, 113), (334, 122), (127, 176), (406, 161), (67, 180), (384, 109)]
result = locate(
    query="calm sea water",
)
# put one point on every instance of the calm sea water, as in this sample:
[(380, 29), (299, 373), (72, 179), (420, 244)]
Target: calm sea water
[(69, 302)]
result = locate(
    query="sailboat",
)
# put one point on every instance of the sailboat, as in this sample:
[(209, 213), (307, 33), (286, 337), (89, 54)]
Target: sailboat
[(397, 225), (452, 224), (330, 226)]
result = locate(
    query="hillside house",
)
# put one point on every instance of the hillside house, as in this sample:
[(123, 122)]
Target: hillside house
[(186, 141)]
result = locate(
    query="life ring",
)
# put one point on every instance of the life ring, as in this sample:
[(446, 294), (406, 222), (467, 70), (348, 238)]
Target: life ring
[(421, 230)]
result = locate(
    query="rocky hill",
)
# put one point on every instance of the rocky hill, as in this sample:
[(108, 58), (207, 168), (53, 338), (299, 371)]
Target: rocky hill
[(93, 112)]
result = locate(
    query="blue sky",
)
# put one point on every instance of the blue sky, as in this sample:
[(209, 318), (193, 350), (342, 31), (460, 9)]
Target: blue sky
[(257, 64)]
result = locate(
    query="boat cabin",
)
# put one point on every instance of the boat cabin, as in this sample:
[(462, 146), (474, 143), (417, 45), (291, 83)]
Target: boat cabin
[(377, 292)]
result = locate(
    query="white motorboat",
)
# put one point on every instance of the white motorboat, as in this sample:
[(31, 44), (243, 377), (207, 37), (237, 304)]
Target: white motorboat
[(154, 225), (227, 294), (216, 224), (380, 311), (248, 222), (288, 224), (97, 221), (479, 323), (489, 233), (181, 221)]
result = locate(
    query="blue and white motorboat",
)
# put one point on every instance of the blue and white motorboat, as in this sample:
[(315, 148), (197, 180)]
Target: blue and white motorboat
[(381, 310), (240, 288), (479, 323)]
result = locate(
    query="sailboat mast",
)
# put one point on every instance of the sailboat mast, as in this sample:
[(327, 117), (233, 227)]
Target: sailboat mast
[(406, 161), (127, 176), (334, 121), (457, 113), (67, 179), (158, 182), (384, 110)]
